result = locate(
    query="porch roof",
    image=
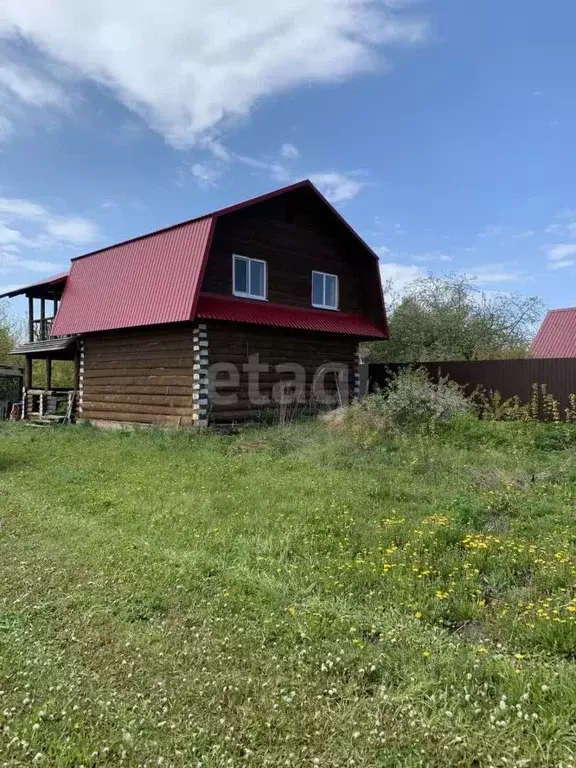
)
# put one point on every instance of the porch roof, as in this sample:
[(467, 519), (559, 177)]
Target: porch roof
[(45, 347), (40, 290)]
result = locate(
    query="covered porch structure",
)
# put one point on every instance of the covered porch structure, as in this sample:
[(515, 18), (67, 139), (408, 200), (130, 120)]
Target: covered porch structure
[(40, 399)]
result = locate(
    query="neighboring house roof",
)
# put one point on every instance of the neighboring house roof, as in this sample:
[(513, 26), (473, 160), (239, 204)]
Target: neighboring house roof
[(556, 336), (217, 307), (155, 278), (49, 282)]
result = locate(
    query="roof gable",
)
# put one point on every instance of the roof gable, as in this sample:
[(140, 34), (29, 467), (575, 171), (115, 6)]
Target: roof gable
[(154, 278), (556, 336)]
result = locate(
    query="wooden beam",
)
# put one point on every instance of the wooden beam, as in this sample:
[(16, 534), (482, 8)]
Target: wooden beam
[(48, 372), (42, 318), (28, 372), (30, 318)]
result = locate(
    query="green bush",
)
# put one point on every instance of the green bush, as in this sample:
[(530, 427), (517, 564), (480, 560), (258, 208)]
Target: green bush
[(411, 401)]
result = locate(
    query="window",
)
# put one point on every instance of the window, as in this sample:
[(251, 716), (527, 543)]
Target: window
[(249, 277), (324, 290)]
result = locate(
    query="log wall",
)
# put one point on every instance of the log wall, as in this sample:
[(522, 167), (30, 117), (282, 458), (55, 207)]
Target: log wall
[(234, 343), (140, 376), (158, 375)]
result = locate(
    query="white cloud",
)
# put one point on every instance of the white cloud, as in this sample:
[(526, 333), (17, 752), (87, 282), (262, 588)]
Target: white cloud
[(74, 230), (28, 224), (289, 152), (433, 256), (561, 251), (6, 128), (493, 273), (21, 209), (400, 275), (524, 235), (564, 225), (10, 261), (205, 174), (23, 90), (185, 65), (29, 88), (9, 235), (214, 145), (564, 264), (208, 173), (337, 187), (273, 168)]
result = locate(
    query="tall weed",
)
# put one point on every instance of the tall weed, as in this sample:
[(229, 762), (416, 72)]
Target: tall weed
[(412, 401)]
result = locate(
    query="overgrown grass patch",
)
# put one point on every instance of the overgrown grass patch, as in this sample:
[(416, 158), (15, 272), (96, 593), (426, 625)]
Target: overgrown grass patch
[(288, 597)]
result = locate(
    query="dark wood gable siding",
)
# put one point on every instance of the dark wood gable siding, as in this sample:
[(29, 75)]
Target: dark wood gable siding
[(294, 234), (235, 342), (139, 376)]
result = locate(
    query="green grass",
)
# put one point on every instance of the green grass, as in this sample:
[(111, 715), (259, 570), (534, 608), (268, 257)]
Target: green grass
[(286, 598)]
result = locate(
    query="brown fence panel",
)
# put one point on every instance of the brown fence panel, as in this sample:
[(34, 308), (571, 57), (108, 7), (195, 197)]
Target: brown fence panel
[(509, 377)]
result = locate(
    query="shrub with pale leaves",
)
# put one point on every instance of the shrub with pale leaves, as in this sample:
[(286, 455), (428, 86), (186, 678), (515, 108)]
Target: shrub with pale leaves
[(411, 401)]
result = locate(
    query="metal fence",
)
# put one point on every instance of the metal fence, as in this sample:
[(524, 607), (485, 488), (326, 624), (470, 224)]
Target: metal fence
[(509, 377)]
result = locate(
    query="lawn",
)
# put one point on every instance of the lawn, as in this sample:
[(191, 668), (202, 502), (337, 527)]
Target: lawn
[(285, 597)]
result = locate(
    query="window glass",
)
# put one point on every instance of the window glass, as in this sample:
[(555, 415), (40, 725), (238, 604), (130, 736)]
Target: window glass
[(249, 277), (324, 290), (317, 288), (257, 278), (330, 291), (240, 276)]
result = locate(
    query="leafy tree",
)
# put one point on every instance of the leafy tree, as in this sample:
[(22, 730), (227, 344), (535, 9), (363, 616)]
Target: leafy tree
[(449, 319), (8, 336)]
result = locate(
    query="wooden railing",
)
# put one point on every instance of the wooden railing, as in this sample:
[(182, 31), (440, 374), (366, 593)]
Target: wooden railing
[(50, 405), (41, 329)]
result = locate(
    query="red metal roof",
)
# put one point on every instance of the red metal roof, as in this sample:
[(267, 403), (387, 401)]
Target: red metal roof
[(154, 278), (556, 336), (47, 283), (148, 281), (216, 307)]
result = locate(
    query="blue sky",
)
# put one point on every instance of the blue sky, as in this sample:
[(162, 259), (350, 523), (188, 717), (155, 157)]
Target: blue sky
[(443, 130)]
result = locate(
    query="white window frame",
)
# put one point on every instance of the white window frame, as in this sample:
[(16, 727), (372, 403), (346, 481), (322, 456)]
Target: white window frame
[(248, 295), (324, 275)]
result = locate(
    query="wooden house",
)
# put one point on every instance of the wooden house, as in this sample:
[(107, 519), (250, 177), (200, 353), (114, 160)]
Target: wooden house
[(253, 309)]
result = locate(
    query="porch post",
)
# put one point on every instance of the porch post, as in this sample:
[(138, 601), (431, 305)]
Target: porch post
[(28, 373), (30, 318), (42, 318), (48, 373)]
